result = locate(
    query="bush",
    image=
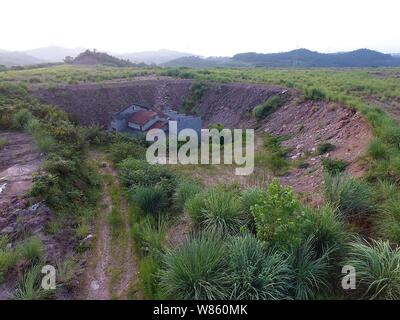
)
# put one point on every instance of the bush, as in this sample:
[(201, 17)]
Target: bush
[(148, 269), (388, 221), (150, 200), (278, 218), (249, 198), (194, 207), (391, 135), (149, 234), (333, 166), (326, 229), (126, 149), (314, 94), (185, 190), (216, 210), (378, 269), (275, 158), (195, 270), (43, 141), (310, 271), (350, 196), (7, 257), (3, 143), (22, 118), (95, 135), (254, 274), (29, 287), (325, 147), (377, 149), (262, 110), (135, 173), (31, 250)]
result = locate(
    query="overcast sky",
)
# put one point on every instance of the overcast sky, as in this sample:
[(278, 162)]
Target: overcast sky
[(206, 27)]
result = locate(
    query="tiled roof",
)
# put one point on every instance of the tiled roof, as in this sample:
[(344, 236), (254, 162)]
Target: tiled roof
[(141, 117), (158, 125)]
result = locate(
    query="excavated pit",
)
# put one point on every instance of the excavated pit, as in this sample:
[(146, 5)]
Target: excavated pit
[(306, 123)]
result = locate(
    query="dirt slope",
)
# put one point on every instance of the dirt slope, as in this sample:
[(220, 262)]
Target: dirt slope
[(95, 103)]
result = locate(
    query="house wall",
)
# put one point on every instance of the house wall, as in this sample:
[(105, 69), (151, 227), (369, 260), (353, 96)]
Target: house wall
[(119, 125), (187, 122), (120, 120)]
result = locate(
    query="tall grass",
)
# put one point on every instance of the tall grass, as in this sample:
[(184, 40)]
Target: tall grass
[(353, 198), (256, 274), (29, 287), (378, 269), (185, 190), (310, 270), (195, 270)]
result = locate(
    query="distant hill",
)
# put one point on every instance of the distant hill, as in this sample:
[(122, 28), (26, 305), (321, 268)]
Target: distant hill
[(99, 58), (53, 53), (199, 62), (153, 57), (14, 58), (307, 58)]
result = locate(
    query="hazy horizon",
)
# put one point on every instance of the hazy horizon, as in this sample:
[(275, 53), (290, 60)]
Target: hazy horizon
[(206, 28)]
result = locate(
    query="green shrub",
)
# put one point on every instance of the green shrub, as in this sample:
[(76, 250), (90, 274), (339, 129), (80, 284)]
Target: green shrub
[(29, 287), (264, 109), (3, 143), (134, 173), (275, 157), (325, 147), (195, 270), (22, 118), (95, 135), (126, 149), (350, 196), (185, 190), (249, 198), (310, 270), (333, 166), (278, 218), (254, 274), (314, 94), (43, 141), (31, 250), (150, 200), (388, 221), (149, 234), (149, 267), (191, 102), (326, 229), (220, 212), (194, 207), (66, 270), (8, 257), (216, 210), (377, 149), (378, 269), (391, 135)]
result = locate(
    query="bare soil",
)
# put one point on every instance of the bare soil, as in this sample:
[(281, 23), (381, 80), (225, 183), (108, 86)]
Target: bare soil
[(111, 269)]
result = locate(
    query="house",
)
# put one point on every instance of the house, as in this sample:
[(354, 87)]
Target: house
[(137, 119)]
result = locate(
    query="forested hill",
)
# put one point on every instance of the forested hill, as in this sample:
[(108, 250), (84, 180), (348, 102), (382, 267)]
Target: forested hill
[(307, 58)]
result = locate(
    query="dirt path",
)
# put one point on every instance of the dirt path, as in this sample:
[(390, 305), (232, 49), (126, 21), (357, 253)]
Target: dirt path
[(111, 270)]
